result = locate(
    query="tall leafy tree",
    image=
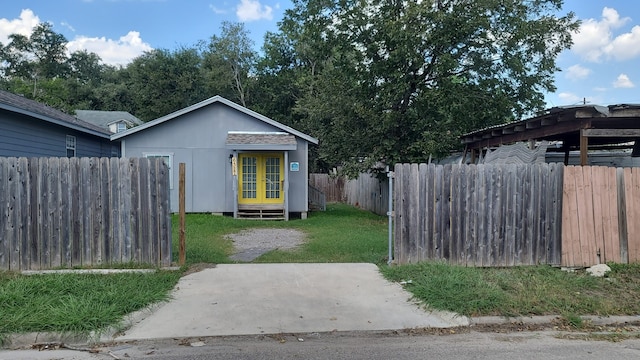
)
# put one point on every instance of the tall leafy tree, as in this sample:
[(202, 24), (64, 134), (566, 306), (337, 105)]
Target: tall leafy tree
[(398, 80), (163, 81), (230, 61)]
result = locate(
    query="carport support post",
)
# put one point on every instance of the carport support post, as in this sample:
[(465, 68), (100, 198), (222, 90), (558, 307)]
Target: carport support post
[(181, 204)]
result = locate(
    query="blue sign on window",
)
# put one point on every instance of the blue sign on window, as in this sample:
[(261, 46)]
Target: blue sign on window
[(294, 166)]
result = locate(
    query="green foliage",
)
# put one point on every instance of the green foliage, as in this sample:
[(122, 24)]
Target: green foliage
[(397, 81)]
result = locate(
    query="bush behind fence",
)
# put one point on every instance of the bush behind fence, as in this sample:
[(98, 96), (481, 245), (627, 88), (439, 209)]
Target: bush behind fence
[(83, 212)]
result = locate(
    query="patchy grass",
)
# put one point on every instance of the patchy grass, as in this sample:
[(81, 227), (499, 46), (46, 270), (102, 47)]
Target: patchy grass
[(522, 291), (77, 303), (340, 234)]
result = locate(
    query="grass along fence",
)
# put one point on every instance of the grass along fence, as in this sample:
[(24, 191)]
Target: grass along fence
[(72, 212), (365, 192)]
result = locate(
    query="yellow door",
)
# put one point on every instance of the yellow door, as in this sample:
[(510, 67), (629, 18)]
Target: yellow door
[(261, 179)]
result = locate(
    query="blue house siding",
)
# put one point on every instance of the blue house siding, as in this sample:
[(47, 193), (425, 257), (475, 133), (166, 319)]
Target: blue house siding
[(22, 135)]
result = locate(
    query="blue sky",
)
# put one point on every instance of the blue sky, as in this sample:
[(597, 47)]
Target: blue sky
[(601, 68)]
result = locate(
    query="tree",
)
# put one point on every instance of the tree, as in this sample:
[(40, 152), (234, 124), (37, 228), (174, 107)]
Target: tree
[(398, 80), (230, 61), (163, 81)]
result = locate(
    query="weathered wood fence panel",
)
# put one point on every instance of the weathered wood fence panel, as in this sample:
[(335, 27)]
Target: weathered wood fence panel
[(67, 212), (365, 192), (478, 215), (601, 217)]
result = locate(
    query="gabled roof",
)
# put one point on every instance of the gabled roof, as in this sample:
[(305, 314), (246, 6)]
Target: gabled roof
[(215, 99), (106, 118), (21, 105)]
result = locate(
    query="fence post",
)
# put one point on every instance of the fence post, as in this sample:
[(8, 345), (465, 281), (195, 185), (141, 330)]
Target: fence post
[(181, 201), (390, 215)]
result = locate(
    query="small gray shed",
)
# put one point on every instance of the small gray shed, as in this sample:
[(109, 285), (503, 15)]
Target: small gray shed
[(237, 161)]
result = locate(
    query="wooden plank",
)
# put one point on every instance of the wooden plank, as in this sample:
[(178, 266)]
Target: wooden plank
[(438, 215), (468, 215), (165, 215), (446, 210), (630, 133), (19, 198), (510, 214), (430, 239), (85, 203), (106, 230), (479, 243), (115, 216), (40, 245), (454, 250), (597, 188), (13, 223), (590, 255), (127, 212), (54, 219), (622, 213), (610, 205), (569, 215), (497, 212), (556, 172), (413, 209), (461, 205), (65, 213), (580, 245), (398, 239), (77, 228), (536, 208), (96, 243), (5, 234), (153, 234), (633, 209), (423, 218), (486, 213), (134, 167)]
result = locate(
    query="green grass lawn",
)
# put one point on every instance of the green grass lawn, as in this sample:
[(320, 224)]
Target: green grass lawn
[(340, 234), (79, 303)]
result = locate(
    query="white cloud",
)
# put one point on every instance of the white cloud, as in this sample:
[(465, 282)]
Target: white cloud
[(625, 46), (112, 52), (594, 41), (577, 72), (23, 25), (569, 98), (217, 10), (623, 81), (252, 10), (68, 26)]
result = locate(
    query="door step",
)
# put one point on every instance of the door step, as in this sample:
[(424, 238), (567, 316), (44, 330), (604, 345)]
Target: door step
[(261, 214)]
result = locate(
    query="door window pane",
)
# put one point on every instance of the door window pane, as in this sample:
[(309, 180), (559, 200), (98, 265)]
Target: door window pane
[(272, 178), (249, 177)]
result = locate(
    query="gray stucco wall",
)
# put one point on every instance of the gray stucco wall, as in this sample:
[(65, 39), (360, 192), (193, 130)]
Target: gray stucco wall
[(21, 135), (197, 139)]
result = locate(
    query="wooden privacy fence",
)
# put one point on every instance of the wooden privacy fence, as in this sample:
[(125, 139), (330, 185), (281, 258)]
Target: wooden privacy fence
[(601, 215), (365, 192), (68, 212), (478, 215)]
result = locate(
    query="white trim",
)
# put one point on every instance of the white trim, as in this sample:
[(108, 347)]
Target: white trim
[(168, 155)]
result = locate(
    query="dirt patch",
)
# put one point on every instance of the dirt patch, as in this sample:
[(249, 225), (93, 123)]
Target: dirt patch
[(250, 244), (194, 268)]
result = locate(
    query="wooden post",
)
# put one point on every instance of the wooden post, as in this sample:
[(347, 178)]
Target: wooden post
[(584, 147), (181, 201)]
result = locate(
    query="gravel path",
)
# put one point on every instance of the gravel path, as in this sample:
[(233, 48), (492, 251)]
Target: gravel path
[(250, 244)]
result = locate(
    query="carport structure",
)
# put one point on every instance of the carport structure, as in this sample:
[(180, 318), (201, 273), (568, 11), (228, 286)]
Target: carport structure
[(581, 127)]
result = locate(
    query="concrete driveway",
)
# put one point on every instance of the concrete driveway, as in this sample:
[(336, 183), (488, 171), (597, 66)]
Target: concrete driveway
[(247, 299)]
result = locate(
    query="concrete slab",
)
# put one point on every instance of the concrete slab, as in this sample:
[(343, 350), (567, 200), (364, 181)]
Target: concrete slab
[(248, 299)]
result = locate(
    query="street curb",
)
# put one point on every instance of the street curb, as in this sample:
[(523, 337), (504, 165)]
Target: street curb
[(22, 341), (548, 319)]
